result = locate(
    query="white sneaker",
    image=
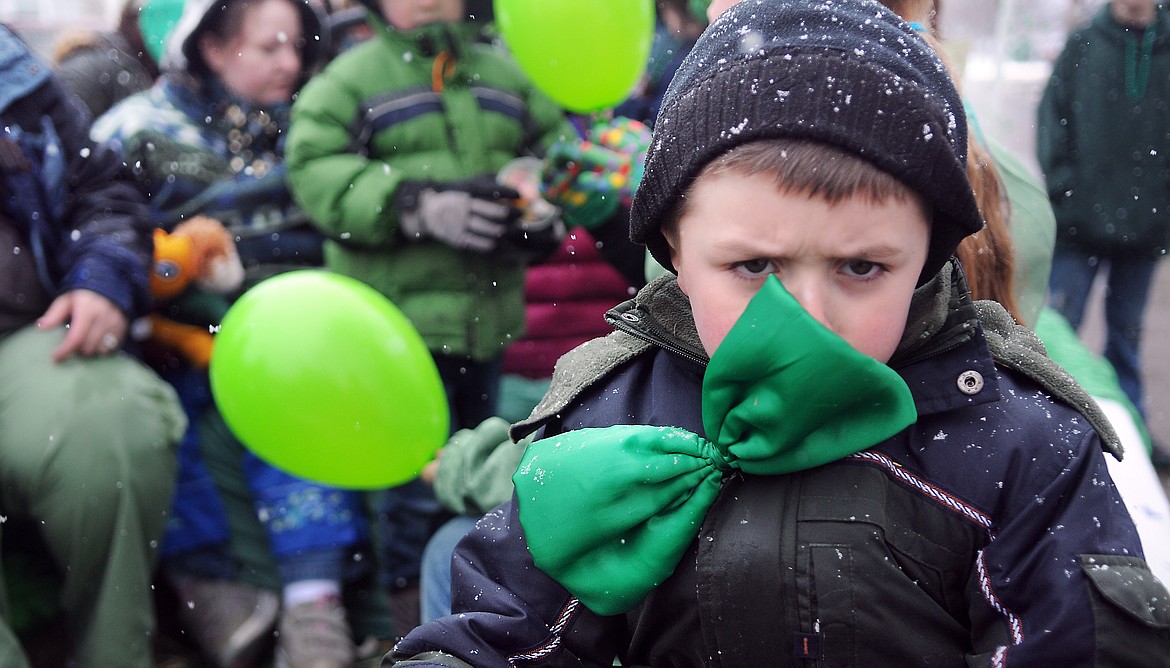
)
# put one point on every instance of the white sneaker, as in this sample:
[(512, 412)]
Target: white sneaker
[(315, 635)]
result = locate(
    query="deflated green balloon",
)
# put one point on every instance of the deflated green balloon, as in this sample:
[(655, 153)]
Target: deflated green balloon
[(586, 55), (323, 377), (609, 512)]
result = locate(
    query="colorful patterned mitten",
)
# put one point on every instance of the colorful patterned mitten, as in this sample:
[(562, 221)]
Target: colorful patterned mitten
[(591, 177)]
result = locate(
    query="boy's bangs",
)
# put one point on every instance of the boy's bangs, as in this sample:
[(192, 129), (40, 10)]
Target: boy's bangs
[(811, 168)]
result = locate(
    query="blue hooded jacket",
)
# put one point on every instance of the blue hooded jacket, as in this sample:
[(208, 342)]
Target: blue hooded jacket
[(85, 223)]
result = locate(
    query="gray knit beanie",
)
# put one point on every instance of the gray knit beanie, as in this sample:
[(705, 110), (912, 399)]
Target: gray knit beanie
[(848, 73)]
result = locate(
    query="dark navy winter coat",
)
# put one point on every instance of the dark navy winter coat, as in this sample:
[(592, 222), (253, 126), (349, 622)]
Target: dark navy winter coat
[(989, 533)]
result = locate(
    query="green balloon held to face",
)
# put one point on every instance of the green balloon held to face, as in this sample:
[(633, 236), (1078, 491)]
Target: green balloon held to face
[(323, 377), (156, 20), (586, 55)]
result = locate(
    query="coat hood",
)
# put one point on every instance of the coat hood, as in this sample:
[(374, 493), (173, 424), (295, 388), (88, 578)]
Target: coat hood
[(182, 50)]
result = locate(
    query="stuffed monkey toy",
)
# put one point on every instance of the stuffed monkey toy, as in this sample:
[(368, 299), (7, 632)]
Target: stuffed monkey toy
[(198, 253)]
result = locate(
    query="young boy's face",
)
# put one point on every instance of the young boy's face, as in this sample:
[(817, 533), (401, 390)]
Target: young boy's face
[(852, 265)]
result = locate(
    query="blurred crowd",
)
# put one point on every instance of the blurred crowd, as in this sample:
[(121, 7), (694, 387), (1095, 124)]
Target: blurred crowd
[(156, 171)]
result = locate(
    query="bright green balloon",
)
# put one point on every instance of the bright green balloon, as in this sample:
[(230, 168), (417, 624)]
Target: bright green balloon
[(323, 377), (584, 54)]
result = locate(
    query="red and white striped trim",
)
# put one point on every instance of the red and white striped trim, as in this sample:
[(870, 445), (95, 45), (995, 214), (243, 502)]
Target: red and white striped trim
[(1017, 628), (935, 493), (557, 630)]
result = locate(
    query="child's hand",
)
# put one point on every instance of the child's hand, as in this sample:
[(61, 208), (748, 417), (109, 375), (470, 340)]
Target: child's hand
[(469, 215), (96, 325), (431, 470)]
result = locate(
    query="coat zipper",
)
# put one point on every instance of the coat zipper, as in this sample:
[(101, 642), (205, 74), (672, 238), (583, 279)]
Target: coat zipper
[(647, 332)]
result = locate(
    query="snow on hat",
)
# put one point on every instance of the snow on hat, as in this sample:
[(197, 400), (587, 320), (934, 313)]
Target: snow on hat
[(848, 73)]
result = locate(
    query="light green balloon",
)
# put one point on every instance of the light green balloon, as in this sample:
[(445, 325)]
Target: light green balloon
[(586, 55), (323, 377)]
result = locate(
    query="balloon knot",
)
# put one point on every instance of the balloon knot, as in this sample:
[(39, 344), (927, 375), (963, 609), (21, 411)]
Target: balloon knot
[(720, 459)]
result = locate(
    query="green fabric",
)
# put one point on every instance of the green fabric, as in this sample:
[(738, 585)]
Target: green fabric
[(518, 395), (476, 467), (1031, 223), (652, 269), (462, 303), (88, 447), (609, 512), (156, 20), (1091, 371), (1137, 68), (32, 582)]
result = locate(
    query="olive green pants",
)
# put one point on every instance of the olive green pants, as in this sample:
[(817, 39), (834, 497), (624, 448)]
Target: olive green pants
[(87, 454)]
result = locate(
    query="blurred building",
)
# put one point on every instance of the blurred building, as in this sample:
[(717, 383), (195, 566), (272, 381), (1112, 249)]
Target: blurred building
[(39, 21), (1004, 50)]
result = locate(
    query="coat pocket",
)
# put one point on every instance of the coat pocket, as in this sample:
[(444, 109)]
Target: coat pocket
[(1131, 611)]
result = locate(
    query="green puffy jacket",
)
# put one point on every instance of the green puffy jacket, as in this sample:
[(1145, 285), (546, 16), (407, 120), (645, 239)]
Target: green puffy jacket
[(424, 105)]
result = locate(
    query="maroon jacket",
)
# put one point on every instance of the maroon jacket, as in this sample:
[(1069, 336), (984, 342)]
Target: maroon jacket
[(567, 297)]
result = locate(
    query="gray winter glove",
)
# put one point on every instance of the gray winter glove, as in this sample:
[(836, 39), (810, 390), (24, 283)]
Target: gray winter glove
[(470, 215)]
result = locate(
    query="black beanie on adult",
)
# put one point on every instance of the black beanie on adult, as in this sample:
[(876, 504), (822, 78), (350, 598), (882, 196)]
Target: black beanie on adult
[(849, 73)]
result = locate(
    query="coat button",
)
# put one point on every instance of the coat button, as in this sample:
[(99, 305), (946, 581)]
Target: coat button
[(630, 316), (970, 382)]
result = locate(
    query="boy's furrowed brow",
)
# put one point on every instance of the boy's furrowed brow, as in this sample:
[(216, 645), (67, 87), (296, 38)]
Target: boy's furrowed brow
[(874, 253), (751, 248), (757, 249)]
